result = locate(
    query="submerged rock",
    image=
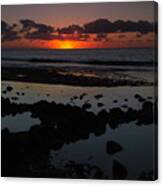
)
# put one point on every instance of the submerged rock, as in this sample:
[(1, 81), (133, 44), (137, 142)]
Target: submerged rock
[(98, 96), (86, 106), (113, 147), (119, 171), (124, 106), (4, 91), (82, 96), (100, 104), (14, 98), (9, 88), (139, 98)]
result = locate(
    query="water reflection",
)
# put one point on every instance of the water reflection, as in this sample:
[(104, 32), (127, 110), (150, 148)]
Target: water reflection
[(55, 131)]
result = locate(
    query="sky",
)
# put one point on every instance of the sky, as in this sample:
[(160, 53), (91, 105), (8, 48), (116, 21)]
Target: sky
[(43, 25)]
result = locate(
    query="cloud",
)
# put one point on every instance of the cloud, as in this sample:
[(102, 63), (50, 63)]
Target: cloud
[(105, 26), (34, 30), (71, 29), (101, 37), (29, 29), (84, 37), (99, 26), (9, 32)]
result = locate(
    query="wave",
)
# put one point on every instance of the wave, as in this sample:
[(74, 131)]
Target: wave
[(90, 62)]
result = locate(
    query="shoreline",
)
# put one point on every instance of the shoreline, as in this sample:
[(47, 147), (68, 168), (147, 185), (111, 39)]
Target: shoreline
[(53, 76)]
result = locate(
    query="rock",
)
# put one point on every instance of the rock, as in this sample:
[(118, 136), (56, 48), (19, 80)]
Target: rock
[(86, 106), (82, 96), (119, 171), (139, 98), (14, 98), (124, 106), (9, 88), (4, 91), (100, 104), (98, 96), (113, 147)]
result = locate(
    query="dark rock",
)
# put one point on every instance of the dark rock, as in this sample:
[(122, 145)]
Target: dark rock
[(14, 98), (4, 91), (119, 171), (98, 96), (82, 96), (86, 106), (139, 98), (113, 147), (100, 104), (115, 101), (124, 106), (9, 88)]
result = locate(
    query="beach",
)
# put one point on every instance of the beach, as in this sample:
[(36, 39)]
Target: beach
[(53, 113)]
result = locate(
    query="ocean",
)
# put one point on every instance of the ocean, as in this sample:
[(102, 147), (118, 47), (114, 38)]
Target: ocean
[(78, 56)]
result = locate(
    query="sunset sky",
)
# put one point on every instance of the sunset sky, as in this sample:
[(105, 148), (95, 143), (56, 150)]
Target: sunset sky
[(97, 25)]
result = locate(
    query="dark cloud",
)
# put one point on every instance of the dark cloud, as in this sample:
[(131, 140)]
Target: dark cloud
[(71, 29), (27, 25), (101, 37), (99, 26), (34, 30), (9, 32), (84, 37), (105, 26)]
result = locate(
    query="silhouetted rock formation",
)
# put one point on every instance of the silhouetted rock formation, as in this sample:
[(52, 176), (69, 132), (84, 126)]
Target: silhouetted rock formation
[(98, 96), (82, 96), (100, 104), (139, 98), (55, 77), (113, 147), (86, 106), (119, 171), (26, 153), (9, 88)]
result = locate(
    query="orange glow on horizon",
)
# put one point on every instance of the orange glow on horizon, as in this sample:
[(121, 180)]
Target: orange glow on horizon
[(114, 40), (67, 44)]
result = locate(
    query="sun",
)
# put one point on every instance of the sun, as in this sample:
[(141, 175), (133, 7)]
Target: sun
[(66, 45), (61, 44)]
